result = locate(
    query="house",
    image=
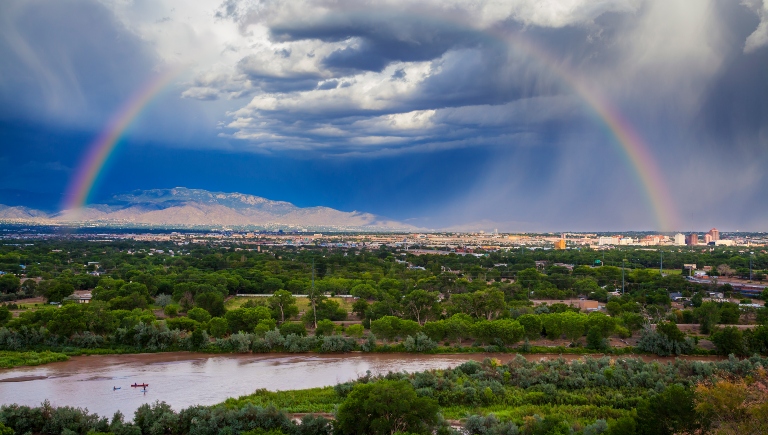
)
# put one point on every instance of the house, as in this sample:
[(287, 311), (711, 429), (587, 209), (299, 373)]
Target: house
[(676, 296)]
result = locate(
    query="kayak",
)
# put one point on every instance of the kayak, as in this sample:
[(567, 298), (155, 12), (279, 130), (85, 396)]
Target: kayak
[(140, 385)]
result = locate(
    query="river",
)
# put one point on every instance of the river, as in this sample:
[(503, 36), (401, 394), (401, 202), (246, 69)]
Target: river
[(184, 379)]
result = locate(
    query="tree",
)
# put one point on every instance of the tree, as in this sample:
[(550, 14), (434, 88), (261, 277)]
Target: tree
[(218, 326), (725, 270), (574, 325), (419, 303), (213, 302), (199, 315), (729, 340), (59, 291), (668, 413), (325, 327), (360, 307), (734, 407), (9, 283), (532, 325), (283, 303), (384, 408), (613, 308), (605, 324), (708, 315), (553, 325), (246, 319)]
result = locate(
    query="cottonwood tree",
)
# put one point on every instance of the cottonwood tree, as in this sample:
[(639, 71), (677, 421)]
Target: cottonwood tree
[(420, 303), (283, 303)]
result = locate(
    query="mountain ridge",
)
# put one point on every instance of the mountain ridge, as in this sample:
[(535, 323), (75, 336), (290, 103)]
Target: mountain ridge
[(185, 207)]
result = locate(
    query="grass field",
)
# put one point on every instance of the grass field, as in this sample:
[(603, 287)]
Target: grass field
[(302, 303)]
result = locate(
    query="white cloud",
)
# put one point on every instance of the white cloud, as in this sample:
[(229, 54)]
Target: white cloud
[(758, 38)]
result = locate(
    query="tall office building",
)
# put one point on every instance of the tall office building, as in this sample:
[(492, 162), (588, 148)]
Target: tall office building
[(679, 239), (715, 234), (692, 239)]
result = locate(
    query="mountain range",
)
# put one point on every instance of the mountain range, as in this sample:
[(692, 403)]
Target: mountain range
[(184, 207)]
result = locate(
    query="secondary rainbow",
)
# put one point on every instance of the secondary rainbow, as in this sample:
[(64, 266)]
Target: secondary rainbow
[(101, 149)]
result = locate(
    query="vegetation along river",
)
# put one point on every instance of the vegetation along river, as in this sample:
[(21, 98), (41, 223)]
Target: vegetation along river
[(183, 379)]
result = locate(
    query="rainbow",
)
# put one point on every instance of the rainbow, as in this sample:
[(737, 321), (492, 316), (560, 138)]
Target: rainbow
[(636, 152), (101, 149)]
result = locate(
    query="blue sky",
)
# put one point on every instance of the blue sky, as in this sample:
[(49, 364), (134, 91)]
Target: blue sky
[(418, 111)]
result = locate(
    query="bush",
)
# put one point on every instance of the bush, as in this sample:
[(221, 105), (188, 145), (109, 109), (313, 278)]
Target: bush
[(337, 343), (218, 327), (355, 330), (325, 327), (419, 343), (199, 314), (171, 310), (660, 344), (595, 339), (386, 407), (288, 328)]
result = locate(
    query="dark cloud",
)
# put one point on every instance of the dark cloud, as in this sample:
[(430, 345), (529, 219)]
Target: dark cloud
[(67, 61)]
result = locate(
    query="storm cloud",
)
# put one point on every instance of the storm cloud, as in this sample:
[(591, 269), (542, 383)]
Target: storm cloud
[(354, 84)]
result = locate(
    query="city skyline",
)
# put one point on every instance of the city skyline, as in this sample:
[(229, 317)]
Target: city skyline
[(522, 116)]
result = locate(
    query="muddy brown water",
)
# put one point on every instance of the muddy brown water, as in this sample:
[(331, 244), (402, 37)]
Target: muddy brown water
[(184, 379)]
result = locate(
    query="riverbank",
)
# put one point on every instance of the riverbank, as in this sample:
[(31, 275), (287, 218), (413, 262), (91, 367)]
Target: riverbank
[(11, 359), (44, 356)]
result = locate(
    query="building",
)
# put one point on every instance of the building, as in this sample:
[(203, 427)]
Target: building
[(560, 244), (708, 239), (608, 241), (679, 239), (692, 239), (715, 234)]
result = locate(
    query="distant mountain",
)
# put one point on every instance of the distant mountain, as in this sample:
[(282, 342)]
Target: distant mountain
[(7, 212), (195, 207)]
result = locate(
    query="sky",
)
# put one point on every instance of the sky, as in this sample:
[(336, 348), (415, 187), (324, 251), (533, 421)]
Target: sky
[(445, 114)]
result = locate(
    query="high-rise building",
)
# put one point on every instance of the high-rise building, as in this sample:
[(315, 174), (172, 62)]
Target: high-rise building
[(679, 239), (560, 244), (692, 239), (708, 239), (715, 234)]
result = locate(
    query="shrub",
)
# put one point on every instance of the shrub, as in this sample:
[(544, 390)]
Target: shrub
[(356, 330), (336, 343), (419, 343), (199, 314), (325, 327), (288, 328), (386, 407), (171, 310), (218, 327)]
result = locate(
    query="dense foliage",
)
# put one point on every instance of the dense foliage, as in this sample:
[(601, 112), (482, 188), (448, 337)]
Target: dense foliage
[(167, 296)]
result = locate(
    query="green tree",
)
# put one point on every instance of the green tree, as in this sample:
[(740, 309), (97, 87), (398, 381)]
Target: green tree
[(9, 283), (199, 315), (729, 340), (668, 413), (532, 325), (385, 408), (708, 315), (574, 325), (218, 327), (325, 327), (420, 303), (212, 302), (283, 305), (246, 319)]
